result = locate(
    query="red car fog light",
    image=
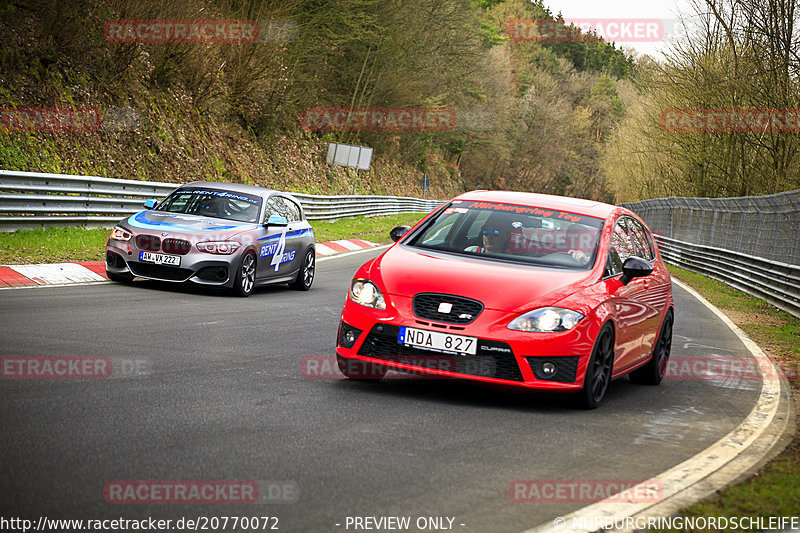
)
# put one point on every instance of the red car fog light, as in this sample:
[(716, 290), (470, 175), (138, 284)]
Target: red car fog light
[(348, 335), (559, 369)]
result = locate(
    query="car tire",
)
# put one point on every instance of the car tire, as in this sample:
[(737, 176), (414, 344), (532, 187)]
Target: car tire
[(119, 278), (360, 370), (654, 371), (245, 275), (305, 276), (598, 371)]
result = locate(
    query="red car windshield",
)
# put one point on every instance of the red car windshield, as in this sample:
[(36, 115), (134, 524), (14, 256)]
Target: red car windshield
[(517, 233)]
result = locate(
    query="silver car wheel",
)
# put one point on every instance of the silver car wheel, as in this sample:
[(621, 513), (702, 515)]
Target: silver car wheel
[(248, 273), (305, 275), (308, 269)]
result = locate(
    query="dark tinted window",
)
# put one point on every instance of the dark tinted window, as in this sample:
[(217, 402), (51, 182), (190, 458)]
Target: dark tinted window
[(276, 206), (639, 238), (620, 248), (293, 209)]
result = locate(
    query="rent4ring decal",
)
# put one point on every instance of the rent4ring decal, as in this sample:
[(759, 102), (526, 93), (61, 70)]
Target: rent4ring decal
[(277, 251)]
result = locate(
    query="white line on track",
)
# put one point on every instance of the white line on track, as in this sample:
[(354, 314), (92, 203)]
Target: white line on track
[(748, 446), (347, 254), (319, 260)]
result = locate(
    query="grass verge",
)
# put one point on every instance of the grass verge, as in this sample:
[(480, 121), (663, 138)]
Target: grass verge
[(374, 229), (775, 489), (61, 245)]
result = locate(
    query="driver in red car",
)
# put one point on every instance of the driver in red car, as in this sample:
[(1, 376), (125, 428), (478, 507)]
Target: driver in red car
[(580, 242), (494, 236), (505, 235)]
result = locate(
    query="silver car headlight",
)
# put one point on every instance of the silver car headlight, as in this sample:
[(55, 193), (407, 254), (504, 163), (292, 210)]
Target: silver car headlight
[(120, 234), (546, 320), (364, 292), (219, 247)]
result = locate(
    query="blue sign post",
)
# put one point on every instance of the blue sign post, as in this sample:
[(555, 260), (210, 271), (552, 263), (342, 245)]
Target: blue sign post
[(425, 183)]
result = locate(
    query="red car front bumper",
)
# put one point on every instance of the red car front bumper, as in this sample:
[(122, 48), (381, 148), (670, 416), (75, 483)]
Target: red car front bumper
[(503, 356)]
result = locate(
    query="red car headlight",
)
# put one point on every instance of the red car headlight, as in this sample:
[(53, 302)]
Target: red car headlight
[(364, 292), (546, 320)]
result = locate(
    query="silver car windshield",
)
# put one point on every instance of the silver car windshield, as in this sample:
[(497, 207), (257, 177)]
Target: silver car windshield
[(241, 207), (516, 233)]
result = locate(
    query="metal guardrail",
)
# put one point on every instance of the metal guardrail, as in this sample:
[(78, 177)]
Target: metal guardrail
[(777, 283), (33, 199), (750, 243), (761, 226), (318, 207)]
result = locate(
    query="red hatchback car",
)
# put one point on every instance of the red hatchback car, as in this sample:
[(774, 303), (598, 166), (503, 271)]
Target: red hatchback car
[(537, 291)]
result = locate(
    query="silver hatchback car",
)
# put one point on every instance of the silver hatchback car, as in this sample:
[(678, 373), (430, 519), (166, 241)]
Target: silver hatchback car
[(216, 234)]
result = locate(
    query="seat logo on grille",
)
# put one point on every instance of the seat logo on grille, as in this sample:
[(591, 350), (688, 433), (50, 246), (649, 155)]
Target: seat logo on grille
[(445, 307)]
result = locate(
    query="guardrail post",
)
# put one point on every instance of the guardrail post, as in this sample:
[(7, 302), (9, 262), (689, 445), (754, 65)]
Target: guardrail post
[(794, 198)]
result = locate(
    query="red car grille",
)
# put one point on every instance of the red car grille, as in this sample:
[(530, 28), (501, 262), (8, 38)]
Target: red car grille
[(460, 310)]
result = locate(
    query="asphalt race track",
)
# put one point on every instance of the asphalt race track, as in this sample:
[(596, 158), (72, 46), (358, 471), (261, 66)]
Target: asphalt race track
[(219, 393)]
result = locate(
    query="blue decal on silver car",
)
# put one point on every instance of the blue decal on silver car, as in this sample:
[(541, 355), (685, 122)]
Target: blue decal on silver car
[(293, 234), (140, 220)]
